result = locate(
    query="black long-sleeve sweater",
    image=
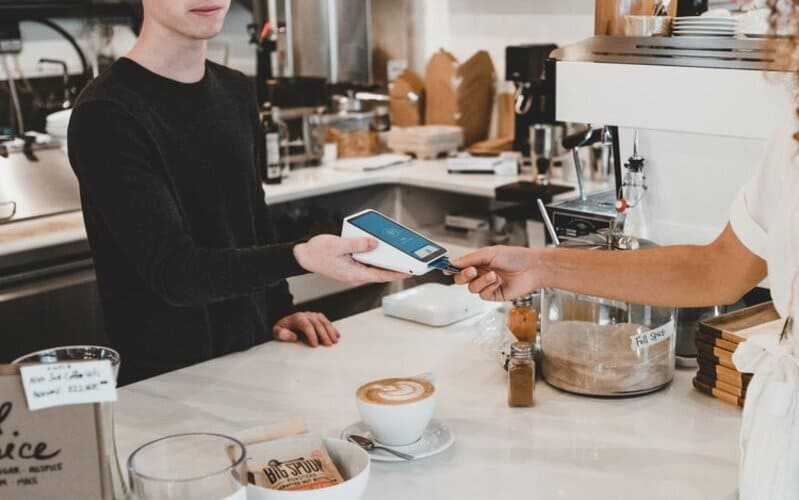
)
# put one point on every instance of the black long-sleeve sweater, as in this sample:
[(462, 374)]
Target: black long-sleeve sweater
[(181, 236)]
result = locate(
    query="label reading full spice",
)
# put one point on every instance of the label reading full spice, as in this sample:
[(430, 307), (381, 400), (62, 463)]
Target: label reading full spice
[(652, 337)]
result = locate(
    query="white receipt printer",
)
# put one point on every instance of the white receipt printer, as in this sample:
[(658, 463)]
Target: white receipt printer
[(399, 248)]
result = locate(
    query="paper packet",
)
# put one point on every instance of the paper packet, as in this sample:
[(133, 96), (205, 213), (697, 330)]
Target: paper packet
[(294, 463)]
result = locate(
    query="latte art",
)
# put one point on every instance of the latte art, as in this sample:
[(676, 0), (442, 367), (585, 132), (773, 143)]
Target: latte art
[(403, 390), (395, 391)]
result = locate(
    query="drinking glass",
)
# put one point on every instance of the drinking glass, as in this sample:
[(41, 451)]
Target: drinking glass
[(112, 484), (188, 466)]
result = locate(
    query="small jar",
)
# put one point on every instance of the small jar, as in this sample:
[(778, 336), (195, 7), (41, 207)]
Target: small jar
[(523, 319), (521, 375)]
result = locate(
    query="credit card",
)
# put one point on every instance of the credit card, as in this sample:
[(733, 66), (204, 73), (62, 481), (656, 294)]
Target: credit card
[(443, 264)]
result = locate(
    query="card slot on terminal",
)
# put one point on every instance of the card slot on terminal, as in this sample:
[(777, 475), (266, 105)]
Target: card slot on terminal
[(443, 264)]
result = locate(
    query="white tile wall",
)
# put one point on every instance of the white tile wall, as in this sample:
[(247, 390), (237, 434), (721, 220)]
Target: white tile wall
[(465, 26)]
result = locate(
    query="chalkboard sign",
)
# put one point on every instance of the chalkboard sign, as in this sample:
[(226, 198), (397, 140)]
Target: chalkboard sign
[(48, 453)]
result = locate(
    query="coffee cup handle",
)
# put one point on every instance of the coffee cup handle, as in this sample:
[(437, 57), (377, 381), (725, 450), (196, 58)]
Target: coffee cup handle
[(428, 376)]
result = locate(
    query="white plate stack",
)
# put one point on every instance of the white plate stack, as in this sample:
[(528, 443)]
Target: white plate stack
[(715, 27)]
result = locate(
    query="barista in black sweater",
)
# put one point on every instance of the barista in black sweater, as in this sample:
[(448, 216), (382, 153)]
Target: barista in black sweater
[(166, 147)]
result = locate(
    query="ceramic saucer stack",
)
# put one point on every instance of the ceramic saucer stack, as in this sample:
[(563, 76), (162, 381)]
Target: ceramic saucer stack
[(714, 27)]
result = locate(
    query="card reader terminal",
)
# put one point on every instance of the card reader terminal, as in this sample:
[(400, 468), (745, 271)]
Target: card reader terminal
[(399, 248)]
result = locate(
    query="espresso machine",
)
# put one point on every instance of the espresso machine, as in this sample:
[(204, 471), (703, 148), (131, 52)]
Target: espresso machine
[(590, 214), (524, 66), (537, 135)]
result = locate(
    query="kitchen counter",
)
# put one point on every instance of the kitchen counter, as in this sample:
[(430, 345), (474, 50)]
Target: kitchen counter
[(304, 183), (672, 444), (316, 181), (432, 174), (18, 237)]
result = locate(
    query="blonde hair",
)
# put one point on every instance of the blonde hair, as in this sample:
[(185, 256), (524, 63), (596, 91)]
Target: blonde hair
[(783, 20)]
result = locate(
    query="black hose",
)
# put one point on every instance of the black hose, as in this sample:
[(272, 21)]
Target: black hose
[(61, 31)]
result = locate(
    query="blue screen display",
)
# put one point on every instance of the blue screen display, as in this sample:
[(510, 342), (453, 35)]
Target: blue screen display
[(395, 235)]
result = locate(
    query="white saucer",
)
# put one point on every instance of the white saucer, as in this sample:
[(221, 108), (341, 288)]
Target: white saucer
[(435, 439)]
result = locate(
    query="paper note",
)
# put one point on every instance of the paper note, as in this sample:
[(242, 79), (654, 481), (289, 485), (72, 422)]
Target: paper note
[(651, 337), (46, 454), (58, 384)]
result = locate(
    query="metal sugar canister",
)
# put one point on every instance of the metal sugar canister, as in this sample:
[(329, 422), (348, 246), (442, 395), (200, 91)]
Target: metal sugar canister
[(602, 347)]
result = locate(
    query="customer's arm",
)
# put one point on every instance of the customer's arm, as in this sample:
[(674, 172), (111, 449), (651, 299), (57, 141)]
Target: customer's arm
[(111, 155), (684, 276)]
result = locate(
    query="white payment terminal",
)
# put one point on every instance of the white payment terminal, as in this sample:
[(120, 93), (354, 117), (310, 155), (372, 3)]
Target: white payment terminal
[(399, 248)]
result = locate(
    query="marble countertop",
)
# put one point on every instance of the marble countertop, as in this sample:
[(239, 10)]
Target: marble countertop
[(676, 443)]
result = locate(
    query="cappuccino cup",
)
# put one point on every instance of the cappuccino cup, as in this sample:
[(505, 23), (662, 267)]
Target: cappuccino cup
[(397, 410)]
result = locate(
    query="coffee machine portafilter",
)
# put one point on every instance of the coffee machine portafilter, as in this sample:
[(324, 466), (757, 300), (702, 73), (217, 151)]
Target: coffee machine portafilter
[(545, 139), (525, 66)]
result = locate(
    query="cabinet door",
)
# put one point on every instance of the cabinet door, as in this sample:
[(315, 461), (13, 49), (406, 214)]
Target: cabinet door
[(43, 318)]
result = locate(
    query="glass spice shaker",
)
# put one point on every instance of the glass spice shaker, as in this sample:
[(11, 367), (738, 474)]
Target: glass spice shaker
[(521, 375), (523, 319)]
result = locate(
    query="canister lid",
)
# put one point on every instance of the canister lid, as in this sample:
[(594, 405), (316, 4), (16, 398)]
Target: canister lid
[(524, 300), (521, 350)]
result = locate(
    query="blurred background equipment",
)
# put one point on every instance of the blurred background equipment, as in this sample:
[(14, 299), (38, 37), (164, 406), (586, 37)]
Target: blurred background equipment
[(533, 103), (461, 93), (312, 38)]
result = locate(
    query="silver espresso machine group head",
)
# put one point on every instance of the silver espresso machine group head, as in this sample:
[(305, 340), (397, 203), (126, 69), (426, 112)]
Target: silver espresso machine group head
[(587, 214)]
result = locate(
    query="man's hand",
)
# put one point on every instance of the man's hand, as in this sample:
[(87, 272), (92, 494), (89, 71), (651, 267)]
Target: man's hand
[(331, 256), (498, 273), (314, 327)]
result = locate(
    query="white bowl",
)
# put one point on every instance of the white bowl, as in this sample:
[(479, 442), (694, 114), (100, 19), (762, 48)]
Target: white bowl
[(353, 464)]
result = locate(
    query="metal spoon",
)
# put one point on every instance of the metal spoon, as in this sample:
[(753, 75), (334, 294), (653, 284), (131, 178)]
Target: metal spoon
[(368, 445)]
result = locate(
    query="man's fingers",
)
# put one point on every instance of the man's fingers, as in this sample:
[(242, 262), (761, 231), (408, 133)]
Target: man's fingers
[(387, 276), (377, 275), (357, 245), (332, 332), (307, 329), (361, 273), (321, 331), (466, 275), (285, 335), (481, 283)]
